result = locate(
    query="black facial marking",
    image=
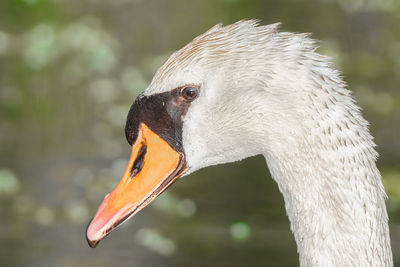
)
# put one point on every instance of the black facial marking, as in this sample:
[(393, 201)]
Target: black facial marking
[(163, 113)]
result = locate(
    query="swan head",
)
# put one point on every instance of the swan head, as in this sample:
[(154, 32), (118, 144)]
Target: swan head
[(203, 107)]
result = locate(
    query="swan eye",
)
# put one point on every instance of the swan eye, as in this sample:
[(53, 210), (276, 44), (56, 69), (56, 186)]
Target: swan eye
[(190, 93)]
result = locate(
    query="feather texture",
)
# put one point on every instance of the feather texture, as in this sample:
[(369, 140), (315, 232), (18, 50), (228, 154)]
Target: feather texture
[(268, 92)]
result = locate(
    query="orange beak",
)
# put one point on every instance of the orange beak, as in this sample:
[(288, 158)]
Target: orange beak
[(153, 166)]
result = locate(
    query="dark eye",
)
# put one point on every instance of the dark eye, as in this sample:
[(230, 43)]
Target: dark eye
[(190, 93)]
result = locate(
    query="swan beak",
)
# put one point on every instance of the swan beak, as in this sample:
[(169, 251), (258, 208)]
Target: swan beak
[(153, 166)]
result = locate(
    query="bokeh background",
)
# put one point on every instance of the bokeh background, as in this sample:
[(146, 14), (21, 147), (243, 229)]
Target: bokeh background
[(69, 71)]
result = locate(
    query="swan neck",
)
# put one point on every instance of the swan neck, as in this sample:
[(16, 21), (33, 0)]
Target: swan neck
[(333, 193)]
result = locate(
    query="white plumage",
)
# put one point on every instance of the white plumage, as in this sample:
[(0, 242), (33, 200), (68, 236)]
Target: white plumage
[(268, 92)]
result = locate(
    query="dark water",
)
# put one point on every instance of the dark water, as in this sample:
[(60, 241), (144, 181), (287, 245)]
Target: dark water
[(69, 70)]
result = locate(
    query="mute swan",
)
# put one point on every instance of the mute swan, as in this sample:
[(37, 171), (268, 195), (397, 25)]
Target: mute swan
[(242, 90)]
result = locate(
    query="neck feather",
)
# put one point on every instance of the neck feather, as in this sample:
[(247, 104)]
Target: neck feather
[(333, 191)]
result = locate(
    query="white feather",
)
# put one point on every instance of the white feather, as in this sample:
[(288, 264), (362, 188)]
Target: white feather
[(268, 92)]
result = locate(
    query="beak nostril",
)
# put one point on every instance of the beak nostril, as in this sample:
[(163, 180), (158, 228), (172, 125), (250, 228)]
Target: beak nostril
[(138, 164)]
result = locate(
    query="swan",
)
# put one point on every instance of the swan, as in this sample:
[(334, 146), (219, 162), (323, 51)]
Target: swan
[(246, 89)]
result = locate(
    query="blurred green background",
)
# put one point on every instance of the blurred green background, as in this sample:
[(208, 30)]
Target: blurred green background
[(69, 71)]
